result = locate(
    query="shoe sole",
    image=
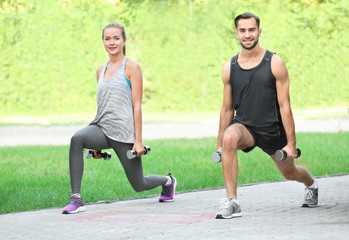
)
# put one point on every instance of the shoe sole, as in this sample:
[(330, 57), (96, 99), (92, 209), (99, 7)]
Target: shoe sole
[(309, 205), (234, 215), (80, 209), (174, 192)]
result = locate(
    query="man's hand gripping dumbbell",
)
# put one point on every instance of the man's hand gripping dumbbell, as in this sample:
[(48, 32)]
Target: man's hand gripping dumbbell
[(217, 155), (132, 153), (97, 154), (281, 155)]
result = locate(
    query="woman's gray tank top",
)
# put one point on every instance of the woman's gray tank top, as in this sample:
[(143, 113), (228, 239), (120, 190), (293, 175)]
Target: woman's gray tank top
[(114, 106)]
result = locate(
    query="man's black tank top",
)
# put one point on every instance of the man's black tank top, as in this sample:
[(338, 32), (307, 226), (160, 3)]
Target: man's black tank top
[(254, 94)]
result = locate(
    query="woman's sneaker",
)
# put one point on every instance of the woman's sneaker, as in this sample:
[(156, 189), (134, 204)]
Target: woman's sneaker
[(229, 209), (75, 205), (168, 191)]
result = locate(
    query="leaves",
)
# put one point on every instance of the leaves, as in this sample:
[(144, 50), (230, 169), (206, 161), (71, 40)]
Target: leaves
[(50, 51)]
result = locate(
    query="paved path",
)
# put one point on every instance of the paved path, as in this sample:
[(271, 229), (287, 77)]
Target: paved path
[(270, 211), (60, 135)]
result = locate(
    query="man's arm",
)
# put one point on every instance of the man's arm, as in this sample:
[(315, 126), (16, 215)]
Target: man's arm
[(227, 112), (282, 87)]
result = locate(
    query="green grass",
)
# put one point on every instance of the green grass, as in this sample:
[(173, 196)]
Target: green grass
[(38, 177)]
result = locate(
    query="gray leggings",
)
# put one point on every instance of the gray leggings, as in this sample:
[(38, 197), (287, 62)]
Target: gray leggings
[(92, 137)]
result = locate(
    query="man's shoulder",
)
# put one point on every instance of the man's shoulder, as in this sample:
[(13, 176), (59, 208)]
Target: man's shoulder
[(234, 58), (276, 60), (273, 55), (232, 61)]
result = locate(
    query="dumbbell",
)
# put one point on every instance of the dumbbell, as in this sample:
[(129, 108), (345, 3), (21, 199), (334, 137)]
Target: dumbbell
[(216, 157), (279, 155), (89, 153), (132, 153), (282, 154)]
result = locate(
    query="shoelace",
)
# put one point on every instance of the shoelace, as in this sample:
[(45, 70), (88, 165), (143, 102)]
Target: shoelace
[(166, 191), (309, 194), (74, 201), (225, 203)]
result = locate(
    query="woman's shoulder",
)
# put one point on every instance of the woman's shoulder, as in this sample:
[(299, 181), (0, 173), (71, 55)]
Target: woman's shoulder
[(132, 69), (132, 64), (99, 70)]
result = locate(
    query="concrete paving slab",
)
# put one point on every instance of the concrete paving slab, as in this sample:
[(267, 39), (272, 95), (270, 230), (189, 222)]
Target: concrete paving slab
[(270, 211)]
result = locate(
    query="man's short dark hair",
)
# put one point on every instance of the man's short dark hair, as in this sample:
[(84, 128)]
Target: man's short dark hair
[(246, 15)]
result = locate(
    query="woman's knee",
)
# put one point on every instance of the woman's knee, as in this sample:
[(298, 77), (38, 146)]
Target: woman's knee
[(138, 187), (76, 138)]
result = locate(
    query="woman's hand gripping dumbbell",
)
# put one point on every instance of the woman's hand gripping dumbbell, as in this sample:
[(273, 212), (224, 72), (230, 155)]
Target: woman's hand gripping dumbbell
[(90, 153), (281, 155), (132, 153)]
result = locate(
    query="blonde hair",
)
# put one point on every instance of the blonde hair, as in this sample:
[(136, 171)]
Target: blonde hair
[(116, 25)]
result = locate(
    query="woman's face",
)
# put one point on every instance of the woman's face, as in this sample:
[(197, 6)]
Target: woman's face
[(113, 40)]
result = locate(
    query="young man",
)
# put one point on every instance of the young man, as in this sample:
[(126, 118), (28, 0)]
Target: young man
[(256, 111)]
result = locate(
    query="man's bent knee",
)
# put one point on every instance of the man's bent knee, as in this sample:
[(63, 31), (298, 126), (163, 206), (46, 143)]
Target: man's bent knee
[(230, 141), (237, 137)]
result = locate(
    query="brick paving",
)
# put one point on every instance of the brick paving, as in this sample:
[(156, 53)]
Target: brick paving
[(270, 211)]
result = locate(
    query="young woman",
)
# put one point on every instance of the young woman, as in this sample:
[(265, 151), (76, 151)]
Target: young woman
[(118, 123)]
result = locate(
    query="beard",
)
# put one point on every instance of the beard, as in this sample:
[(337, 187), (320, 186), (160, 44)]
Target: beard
[(250, 47)]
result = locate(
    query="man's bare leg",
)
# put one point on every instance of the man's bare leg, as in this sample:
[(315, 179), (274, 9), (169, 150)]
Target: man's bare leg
[(297, 173), (292, 172), (236, 137)]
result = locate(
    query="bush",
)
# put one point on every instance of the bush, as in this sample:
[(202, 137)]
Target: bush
[(50, 51)]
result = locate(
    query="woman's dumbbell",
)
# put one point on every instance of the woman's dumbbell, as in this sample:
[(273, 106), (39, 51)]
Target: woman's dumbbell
[(282, 154), (89, 153), (216, 157), (132, 153)]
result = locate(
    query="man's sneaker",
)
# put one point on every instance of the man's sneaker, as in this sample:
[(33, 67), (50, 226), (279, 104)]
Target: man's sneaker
[(75, 205), (310, 197), (168, 191), (229, 209)]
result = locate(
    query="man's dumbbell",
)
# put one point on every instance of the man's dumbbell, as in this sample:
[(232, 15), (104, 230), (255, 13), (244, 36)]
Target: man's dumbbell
[(216, 157), (89, 153), (282, 154), (279, 155), (132, 153)]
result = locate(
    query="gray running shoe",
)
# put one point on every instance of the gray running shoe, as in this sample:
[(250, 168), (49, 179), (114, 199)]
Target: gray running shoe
[(229, 209), (310, 197)]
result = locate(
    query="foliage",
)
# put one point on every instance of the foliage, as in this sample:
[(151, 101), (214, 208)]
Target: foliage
[(50, 51)]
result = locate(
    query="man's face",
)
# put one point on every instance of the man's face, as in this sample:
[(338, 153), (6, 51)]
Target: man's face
[(248, 33)]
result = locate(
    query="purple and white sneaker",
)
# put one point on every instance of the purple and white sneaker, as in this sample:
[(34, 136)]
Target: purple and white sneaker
[(75, 205), (168, 191)]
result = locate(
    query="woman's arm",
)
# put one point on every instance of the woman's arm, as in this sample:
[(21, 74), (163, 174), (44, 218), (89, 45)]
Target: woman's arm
[(134, 74)]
